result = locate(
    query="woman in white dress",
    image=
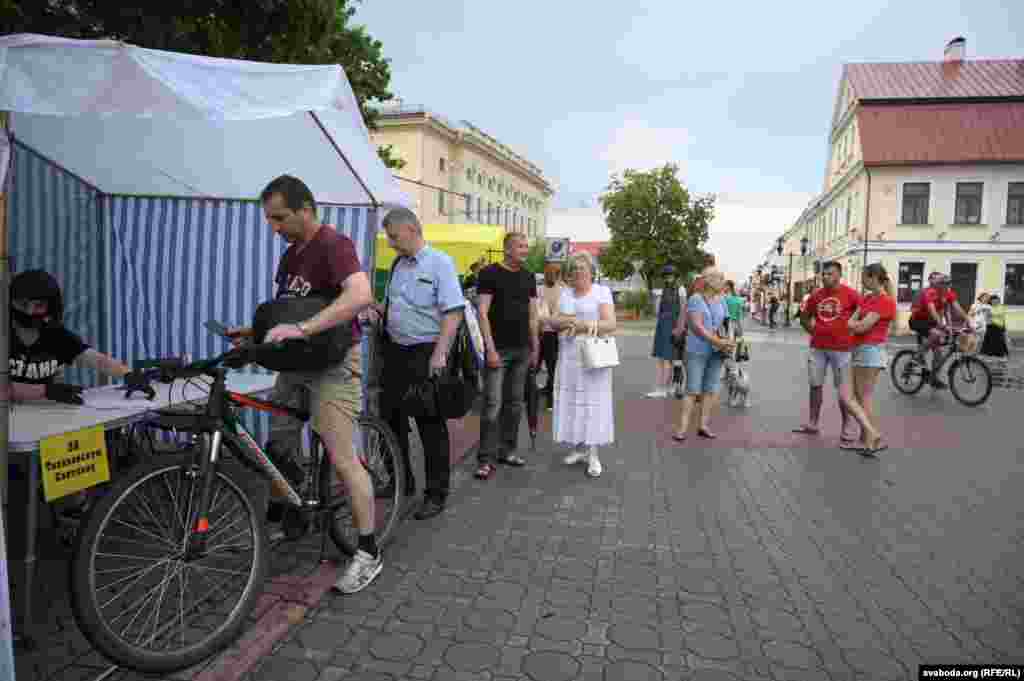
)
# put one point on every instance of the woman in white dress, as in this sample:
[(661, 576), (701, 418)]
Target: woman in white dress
[(584, 415)]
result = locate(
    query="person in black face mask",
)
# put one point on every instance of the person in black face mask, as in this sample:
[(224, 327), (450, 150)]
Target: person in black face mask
[(41, 346)]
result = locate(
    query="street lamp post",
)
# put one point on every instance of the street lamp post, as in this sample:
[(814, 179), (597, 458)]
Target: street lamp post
[(788, 298), (803, 253)]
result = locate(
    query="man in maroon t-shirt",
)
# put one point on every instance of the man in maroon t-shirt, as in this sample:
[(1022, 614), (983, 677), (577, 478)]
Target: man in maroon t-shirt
[(826, 316), (322, 261)]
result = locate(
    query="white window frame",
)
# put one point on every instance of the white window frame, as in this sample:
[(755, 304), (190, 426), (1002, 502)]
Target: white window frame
[(931, 202), (984, 204), (924, 279), (1005, 207), (1002, 281)]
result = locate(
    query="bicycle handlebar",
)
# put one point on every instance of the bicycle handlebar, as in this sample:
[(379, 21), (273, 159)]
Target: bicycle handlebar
[(169, 370)]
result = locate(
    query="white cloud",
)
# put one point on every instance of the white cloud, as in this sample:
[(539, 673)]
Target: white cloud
[(638, 145), (744, 228)]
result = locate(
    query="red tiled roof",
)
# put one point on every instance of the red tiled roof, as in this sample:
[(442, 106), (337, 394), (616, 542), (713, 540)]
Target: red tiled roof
[(942, 133), (594, 248), (931, 80)]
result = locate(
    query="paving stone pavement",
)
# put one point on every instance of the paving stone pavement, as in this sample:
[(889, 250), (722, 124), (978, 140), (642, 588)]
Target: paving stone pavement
[(760, 555)]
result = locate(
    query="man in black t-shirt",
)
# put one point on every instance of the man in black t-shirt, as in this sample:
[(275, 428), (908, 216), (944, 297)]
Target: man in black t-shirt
[(509, 324), (41, 346)]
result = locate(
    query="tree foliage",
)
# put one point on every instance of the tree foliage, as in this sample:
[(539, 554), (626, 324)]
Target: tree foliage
[(653, 219), (280, 31), (536, 257)]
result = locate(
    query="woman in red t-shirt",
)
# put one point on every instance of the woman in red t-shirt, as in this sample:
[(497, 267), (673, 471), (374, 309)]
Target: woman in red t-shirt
[(870, 327)]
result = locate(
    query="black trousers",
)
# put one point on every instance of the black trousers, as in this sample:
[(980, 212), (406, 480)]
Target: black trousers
[(405, 366), (549, 355)]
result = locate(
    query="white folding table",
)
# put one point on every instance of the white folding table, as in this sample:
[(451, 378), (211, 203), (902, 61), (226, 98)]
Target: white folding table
[(106, 406)]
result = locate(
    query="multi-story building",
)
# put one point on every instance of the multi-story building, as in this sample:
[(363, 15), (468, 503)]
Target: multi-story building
[(925, 173), (459, 174)]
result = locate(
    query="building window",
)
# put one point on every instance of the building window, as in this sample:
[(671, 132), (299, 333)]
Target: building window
[(469, 207), (480, 180), (490, 184), (489, 213), (1015, 203), (915, 203), (440, 202), (968, 203), (1013, 284), (469, 174), (911, 276), (849, 211), (479, 209), (440, 164)]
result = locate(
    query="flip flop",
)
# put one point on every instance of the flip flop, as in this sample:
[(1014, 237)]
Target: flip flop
[(678, 438), (807, 430), (706, 434), (873, 452)]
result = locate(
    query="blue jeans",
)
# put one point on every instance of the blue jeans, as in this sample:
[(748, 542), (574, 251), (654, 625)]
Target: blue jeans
[(703, 372), (504, 389)]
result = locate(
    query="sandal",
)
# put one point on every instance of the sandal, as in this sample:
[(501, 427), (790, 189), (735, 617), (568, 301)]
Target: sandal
[(512, 460), (485, 471), (679, 437), (873, 451), (706, 434)]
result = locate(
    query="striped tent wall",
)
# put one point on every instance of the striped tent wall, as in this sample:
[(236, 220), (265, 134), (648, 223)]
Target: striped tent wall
[(54, 224), (142, 274)]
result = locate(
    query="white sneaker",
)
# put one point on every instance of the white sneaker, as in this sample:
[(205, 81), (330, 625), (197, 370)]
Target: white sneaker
[(362, 570), (658, 394), (594, 464), (577, 455)]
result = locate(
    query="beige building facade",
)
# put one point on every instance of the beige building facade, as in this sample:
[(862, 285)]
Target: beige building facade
[(925, 173), (458, 174)]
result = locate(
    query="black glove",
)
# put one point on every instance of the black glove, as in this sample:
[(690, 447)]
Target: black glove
[(63, 392), (136, 382)]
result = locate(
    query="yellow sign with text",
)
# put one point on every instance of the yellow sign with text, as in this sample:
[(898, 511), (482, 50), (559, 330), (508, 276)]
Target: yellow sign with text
[(73, 462)]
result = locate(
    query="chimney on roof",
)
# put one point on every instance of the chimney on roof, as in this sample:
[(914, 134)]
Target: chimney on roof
[(955, 49)]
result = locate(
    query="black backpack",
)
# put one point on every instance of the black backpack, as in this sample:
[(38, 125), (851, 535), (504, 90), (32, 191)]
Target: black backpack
[(317, 353)]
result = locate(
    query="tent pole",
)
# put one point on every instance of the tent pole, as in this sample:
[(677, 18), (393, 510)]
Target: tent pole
[(344, 158), (6, 624)]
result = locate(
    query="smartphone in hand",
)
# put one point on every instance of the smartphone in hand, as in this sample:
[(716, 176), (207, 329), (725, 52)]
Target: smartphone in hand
[(217, 328)]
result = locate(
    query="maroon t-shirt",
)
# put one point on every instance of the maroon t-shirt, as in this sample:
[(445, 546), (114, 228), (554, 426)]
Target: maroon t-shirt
[(319, 267)]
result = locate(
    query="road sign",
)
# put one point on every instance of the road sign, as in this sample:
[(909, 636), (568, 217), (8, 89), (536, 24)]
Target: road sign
[(558, 250)]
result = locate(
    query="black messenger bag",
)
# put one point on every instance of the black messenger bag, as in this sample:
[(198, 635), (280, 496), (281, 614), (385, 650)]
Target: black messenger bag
[(316, 353)]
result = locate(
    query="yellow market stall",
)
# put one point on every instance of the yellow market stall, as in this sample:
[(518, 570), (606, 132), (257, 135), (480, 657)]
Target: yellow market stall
[(464, 243)]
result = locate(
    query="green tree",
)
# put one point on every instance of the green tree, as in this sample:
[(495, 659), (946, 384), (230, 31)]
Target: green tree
[(536, 257), (654, 220), (281, 31)]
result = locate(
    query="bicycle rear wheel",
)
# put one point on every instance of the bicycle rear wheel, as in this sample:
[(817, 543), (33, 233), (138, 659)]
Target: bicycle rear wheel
[(377, 448), (970, 380), (907, 372), (137, 597)]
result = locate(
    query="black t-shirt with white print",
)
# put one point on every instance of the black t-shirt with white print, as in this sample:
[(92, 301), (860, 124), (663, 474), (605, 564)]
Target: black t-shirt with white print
[(38, 363)]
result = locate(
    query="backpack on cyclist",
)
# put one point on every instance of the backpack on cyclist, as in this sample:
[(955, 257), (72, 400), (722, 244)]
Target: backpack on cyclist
[(317, 352)]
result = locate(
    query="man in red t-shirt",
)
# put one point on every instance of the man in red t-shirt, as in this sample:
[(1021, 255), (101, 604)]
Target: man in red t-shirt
[(321, 260), (826, 316), (929, 316)]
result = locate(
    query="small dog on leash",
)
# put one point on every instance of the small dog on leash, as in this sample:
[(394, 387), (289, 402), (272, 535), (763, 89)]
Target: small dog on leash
[(737, 383)]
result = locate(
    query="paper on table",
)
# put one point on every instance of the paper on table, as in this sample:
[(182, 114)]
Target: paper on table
[(114, 398)]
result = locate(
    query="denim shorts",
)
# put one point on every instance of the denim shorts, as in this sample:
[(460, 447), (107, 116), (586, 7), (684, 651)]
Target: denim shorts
[(703, 372), (819, 361), (870, 357)]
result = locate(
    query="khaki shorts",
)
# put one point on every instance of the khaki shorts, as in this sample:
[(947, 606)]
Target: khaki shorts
[(334, 397)]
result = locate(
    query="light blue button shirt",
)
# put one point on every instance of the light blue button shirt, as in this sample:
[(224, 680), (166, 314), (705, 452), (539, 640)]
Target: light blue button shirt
[(423, 289)]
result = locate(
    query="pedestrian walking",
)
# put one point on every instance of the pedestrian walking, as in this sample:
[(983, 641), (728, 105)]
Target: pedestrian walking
[(549, 299), (663, 352), (773, 309), (995, 344), (507, 294), (321, 261), (584, 415), (734, 304), (422, 312), (870, 326), (826, 317), (707, 345)]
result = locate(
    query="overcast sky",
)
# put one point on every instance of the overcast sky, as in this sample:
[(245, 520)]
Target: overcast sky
[(738, 93)]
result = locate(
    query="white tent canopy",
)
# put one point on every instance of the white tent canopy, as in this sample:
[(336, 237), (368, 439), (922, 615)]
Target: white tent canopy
[(136, 121)]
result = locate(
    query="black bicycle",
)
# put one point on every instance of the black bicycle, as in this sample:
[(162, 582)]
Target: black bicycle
[(970, 379), (171, 560)]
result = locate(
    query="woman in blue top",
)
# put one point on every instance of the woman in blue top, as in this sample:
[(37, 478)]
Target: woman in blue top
[(705, 351)]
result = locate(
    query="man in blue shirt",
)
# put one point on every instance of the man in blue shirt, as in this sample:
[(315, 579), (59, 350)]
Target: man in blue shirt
[(423, 309)]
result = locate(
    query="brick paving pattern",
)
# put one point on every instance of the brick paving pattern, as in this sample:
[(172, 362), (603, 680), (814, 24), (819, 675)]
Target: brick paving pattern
[(760, 555)]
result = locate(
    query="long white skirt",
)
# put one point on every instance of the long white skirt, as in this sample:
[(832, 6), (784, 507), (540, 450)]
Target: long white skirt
[(584, 410)]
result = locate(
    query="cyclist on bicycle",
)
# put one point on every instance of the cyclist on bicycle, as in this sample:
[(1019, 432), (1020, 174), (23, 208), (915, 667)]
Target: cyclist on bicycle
[(319, 259), (929, 318)]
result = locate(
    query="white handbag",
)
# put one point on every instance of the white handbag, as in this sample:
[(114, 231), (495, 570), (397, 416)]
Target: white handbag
[(597, 352)]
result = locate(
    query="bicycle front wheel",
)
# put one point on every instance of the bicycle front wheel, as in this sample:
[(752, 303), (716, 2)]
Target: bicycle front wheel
[(139, 599), (907, 372), (970, 381), (377, 448)]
